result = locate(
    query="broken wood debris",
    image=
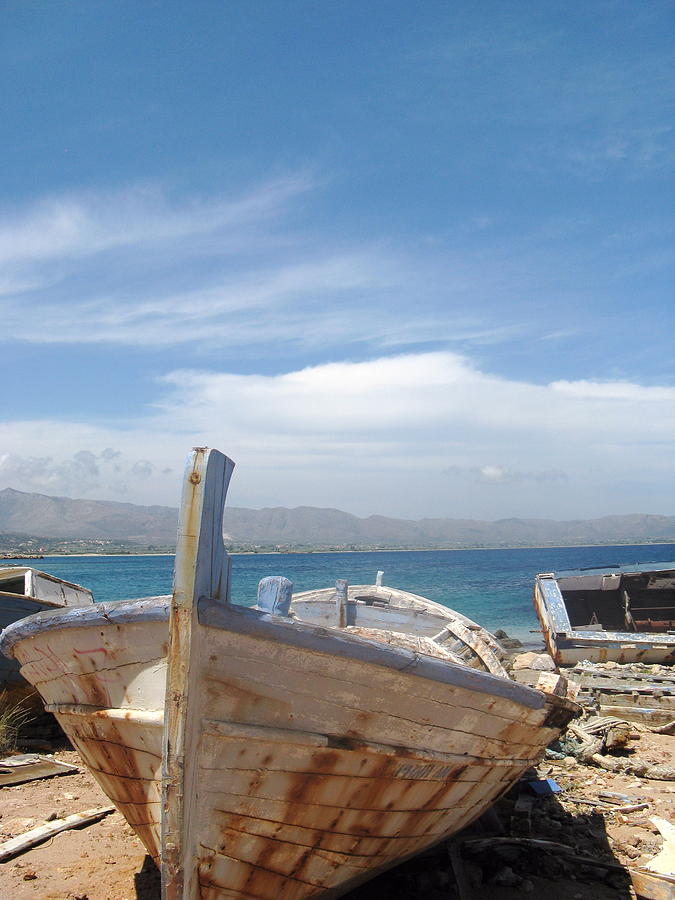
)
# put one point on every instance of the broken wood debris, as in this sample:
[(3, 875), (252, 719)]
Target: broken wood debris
[(29, 767), (36, 836), (668, 728), (634, 767), (635, 692), (652, 887), (664, 862)]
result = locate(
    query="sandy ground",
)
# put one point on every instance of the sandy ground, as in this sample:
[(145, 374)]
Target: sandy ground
[(105, 861), (102, 861)]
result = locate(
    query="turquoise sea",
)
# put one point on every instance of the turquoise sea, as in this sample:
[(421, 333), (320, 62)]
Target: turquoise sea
[(493, 587)]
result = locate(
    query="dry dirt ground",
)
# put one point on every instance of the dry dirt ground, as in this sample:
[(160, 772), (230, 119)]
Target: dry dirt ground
[(105, 861)]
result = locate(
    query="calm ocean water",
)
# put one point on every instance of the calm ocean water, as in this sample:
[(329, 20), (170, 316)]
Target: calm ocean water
[(494, 587)]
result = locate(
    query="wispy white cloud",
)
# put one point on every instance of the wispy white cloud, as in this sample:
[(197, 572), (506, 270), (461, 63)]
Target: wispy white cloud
[(132, 268), (82, 224), (615, 390), (136, 268)]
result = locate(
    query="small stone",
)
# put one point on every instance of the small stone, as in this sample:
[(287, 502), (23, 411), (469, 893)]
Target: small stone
[(539, 662), (527, 886), (507, 877), (508, 643), (30, 875), (52, 816)]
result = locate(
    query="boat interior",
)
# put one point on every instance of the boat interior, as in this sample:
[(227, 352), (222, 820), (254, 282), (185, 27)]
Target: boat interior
[(627, 601), (389, 616), (14, 582)]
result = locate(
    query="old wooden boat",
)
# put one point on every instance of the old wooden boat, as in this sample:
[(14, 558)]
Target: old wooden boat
[(619, 615), (290, 750), (23, 592)]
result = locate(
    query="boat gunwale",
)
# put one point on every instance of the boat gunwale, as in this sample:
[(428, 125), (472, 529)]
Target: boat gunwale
[(116, 612), (7, 572), (420, 605)]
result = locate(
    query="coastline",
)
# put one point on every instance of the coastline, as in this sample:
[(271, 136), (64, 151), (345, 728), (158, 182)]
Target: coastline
[(315, 550)]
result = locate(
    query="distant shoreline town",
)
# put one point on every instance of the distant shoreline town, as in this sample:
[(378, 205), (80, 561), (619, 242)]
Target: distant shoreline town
[(240, 551)]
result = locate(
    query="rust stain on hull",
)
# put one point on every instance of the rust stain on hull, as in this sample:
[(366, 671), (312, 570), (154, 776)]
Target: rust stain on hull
[(277, 817)]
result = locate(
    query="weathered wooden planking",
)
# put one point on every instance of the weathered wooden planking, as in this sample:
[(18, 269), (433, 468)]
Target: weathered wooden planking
[(115, 743), (201, 570), (485, 655), (644, 697), (569, 645), (615, 679), (123, 751), (635, 700), (48, 590), (127, 681), (297, 760), (319, 694), (29, 767), (376, 606), (645, 715), (24, 592), (651, 886)]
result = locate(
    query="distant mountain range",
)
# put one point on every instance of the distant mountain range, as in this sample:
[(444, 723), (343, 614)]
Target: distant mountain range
[(310, 527)]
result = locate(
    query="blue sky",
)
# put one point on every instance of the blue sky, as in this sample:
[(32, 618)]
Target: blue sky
[(409, 259)]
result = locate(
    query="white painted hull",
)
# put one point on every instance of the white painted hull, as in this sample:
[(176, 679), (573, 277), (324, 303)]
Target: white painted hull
[(23, 592), (262, 757), (315, 770)]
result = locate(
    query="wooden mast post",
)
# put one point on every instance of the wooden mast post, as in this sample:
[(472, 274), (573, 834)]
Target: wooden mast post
[(201, 570)]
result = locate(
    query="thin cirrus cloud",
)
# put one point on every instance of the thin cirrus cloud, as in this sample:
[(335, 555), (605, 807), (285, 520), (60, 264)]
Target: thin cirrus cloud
[(132, 269), (82, 224), (136, 269)]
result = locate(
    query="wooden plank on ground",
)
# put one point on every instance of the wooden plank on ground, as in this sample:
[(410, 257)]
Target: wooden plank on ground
[(36, 836), (29, 767), (652, 887), (647, 716)]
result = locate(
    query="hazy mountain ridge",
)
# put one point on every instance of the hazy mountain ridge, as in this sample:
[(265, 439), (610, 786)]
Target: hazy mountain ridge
[(307, 526)]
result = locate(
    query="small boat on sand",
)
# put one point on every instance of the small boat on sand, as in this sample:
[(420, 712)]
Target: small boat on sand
[(24, 591), (290, 750), (621, 615)]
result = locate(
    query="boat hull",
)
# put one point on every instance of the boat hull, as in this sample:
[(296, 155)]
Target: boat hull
[(320, 758), (23, 592), (569, 645)]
